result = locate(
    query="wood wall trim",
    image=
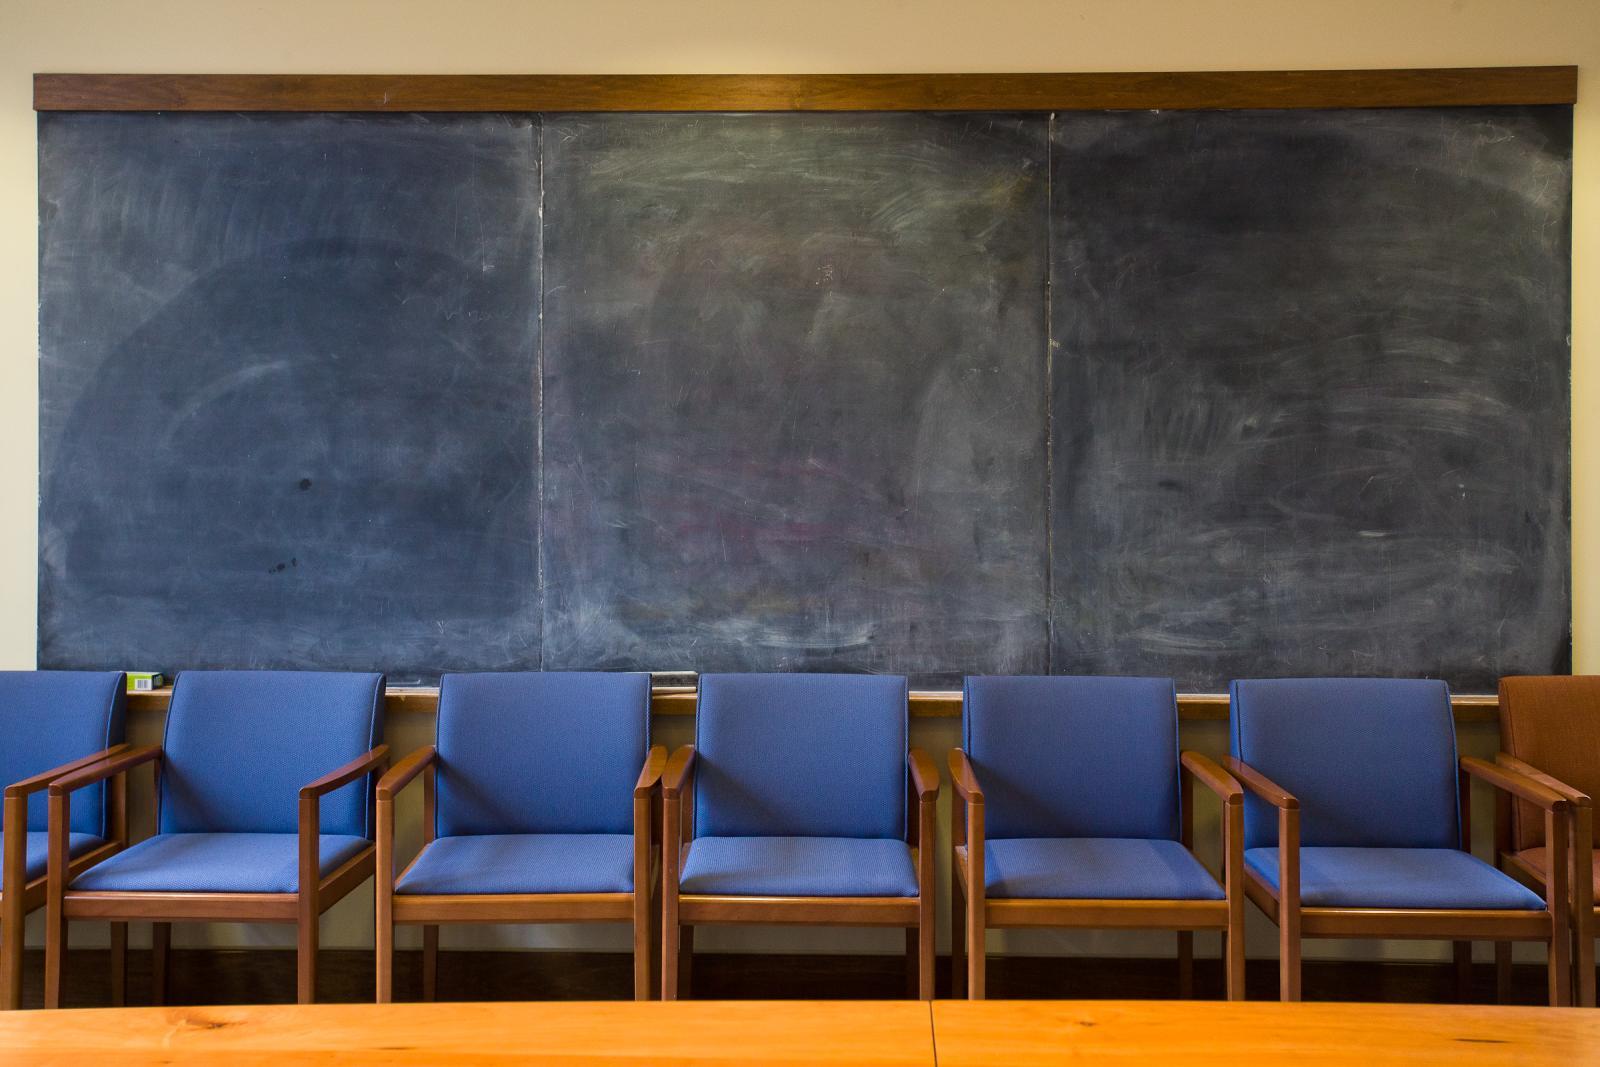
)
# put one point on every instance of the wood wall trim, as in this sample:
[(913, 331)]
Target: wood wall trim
[(925, 703), (1423, 87)]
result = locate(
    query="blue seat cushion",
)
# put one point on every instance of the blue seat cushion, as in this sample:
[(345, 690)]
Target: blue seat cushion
[(1095, 868), (37, 851), (799, 867), (522, 863), (1338, 877), (214, 863)]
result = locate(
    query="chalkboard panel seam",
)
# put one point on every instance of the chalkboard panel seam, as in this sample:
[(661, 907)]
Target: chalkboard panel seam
[(538, 372), (1049, 408), (1415, 87)]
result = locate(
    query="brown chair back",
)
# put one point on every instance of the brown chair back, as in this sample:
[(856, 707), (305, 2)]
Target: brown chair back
[(1552, 723)]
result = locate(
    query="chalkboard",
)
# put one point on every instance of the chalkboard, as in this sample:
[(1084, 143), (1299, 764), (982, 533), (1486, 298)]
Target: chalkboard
[(1193, 393), (795, 393), (288, 392), (1311, 394)]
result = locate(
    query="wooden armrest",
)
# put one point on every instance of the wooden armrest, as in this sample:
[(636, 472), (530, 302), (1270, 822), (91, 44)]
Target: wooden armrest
[(1260, 784), (924, 775), (361, 765), (679, 770), (1507, 780), (100, 770), (655, 761), (29, 786), (1214, 778), (401, 774), (964, 778), (1528, 770)]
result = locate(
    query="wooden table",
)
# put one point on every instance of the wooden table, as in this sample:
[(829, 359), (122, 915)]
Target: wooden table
[(891, 1034), (809, 1032), (1021, 1033)]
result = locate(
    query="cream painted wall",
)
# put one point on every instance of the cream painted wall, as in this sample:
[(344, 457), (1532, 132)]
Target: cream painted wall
[(683, 36)]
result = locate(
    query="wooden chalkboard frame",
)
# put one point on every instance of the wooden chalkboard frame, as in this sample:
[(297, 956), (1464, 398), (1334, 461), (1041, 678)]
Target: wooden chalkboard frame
[(1414, 87), (923, 703)]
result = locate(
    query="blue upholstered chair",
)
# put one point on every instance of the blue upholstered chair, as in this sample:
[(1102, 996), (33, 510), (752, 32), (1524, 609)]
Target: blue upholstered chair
[(1357, 822), (51, 723), (1085, 818), (537, 807), (264, 814), (800, 814)]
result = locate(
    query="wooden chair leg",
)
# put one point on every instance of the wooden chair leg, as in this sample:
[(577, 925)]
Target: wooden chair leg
[(1234, 965), (119, 964), (430, 962), (958, 939), (1560, 972), (11, 927), (641, 943), (160, 953), (383, 949), (977, 952), (1502, 972), (1463, 958), (306, 959), (671, 936), (1583, 994), (1288, 957), (1185, 964), (926, 950), (55, 952)]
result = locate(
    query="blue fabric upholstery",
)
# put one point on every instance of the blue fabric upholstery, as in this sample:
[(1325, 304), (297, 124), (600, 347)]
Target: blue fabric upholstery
[(1371, 760), (48, 718), (801, 755), (240, 744), (523, 863), (799, 867), (36, 856), (1095, 868), (214, 863), (540, 753), (1074, 757), (1396, 878)]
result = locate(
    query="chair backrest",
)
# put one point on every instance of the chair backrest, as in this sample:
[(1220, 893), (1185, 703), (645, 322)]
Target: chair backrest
[(240, 744), (48, 718), (537, 753), (801, 755), (1371, 760), (1074, 757), (1552, 723)]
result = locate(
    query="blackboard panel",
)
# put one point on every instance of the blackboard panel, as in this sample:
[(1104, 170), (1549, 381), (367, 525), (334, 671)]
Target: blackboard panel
[(795, 393), (1311, 401), (288, 392)]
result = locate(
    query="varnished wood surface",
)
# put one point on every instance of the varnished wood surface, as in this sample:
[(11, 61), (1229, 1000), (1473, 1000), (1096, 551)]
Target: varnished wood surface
[(959, 1034), (925, 703), (590, 1033), (1020, 1034), (1464, 86)]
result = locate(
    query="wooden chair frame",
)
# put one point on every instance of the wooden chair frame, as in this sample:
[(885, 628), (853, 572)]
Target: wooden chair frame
[(431, 910), (1581, 875), (303, 908), (973, 911), (19, 897), (1461, 925), (680, 912)]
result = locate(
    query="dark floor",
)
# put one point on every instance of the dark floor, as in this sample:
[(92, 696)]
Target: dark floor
[(215, 976)]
